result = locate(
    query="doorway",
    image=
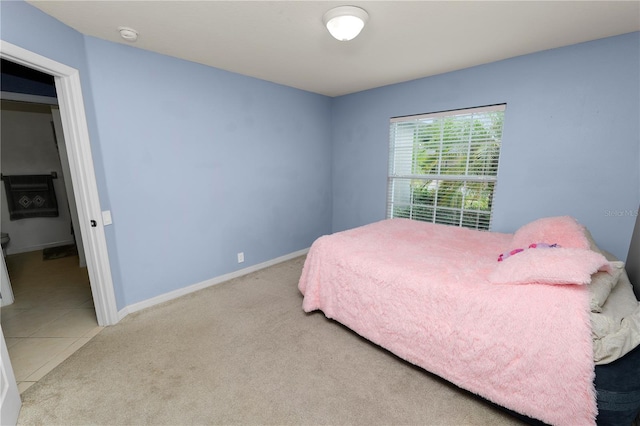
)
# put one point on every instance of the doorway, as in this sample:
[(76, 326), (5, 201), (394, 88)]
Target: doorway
[(52, 314), (32, 149), (82, 174)]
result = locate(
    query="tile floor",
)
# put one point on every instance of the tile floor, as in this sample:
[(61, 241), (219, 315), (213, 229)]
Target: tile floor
[(52, 315)]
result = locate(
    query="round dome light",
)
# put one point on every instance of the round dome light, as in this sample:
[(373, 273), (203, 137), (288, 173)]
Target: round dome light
[(345, 22)]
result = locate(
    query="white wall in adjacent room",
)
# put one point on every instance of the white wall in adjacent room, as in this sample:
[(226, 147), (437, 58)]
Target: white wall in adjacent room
[(28, 147)]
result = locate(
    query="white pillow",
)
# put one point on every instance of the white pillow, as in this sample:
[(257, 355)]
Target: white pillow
[(602, 283)]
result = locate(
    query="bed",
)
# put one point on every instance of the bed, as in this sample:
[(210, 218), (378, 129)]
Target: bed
[(525, 332)]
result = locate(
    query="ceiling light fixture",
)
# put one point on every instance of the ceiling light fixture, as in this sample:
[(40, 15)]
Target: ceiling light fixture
[(129, 34), (345, 22)]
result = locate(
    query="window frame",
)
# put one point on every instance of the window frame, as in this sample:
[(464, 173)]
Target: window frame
[(475, 182)]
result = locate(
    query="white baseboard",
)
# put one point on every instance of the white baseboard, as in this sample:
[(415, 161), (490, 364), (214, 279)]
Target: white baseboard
[(204, 284)]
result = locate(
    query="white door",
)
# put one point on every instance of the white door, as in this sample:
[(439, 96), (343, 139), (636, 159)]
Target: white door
[(9, 396), (66, 176)]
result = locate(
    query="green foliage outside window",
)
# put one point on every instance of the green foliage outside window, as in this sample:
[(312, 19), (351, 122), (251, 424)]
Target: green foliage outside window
[(454, 163)]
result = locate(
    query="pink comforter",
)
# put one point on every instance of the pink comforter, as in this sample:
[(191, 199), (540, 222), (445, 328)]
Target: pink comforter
[(421, 291)]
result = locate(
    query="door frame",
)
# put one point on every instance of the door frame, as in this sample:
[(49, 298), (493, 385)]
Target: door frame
[(83, 179), (66, 174)]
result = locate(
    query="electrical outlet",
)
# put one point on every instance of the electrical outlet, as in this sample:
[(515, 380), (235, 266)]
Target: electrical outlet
[(240, 257)]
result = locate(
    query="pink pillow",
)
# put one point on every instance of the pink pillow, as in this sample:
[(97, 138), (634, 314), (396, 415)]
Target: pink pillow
[(550, 266), (562, 230)]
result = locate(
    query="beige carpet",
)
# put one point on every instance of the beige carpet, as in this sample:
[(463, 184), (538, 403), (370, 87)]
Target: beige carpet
[(244, 352)]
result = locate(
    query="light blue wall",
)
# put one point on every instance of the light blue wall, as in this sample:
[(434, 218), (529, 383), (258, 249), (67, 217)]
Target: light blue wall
[(571, 138), (202, 164)]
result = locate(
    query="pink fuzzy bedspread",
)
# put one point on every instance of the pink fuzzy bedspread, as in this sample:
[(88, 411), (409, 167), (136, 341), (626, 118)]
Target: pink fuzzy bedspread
[(422, 291)]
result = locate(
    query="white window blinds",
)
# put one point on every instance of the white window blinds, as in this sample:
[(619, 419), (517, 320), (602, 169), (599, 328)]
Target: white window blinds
[(443, 167)]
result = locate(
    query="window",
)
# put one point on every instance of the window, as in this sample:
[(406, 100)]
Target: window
[(443, 167)]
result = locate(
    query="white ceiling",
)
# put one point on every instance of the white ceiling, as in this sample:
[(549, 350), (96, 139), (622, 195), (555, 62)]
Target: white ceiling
[(285, 41)]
